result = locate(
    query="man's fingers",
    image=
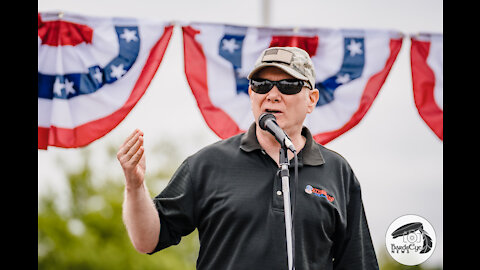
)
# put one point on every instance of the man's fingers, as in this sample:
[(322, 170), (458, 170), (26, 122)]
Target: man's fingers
[(134, 148), (138, 155), (129, 142), (129, 137)]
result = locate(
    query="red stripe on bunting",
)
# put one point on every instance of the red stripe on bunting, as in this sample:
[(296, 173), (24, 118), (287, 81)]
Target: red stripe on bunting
[(61, 33), (370, 92), (308, 44), (91, 131), (423, 81), (196, 72), (43, 138)]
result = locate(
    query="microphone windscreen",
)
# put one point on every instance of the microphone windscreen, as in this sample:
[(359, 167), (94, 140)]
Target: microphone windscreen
[(263, 119)]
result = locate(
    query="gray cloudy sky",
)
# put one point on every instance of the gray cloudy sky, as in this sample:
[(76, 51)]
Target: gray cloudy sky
[(396, 157)]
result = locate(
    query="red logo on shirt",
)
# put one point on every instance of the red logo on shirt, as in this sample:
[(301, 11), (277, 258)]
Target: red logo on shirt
[(318, 192)]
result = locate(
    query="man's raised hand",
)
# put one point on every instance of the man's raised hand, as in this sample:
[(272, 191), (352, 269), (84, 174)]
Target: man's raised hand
[(132, 159)]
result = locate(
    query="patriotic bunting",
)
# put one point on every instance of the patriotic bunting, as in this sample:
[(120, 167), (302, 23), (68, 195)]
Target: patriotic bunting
[(91, 73), (351, 67), (427, 78)]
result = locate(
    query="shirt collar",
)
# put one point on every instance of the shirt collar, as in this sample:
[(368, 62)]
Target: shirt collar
[(309, 155)]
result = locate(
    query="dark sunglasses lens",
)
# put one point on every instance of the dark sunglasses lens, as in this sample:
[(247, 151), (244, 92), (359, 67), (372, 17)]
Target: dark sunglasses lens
[(286, 87), (261, 87), (290, 87)]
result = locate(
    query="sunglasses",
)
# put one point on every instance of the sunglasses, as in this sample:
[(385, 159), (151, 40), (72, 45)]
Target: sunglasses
[(286, 87)]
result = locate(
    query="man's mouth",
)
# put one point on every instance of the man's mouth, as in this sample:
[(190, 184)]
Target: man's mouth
[(272, 111)]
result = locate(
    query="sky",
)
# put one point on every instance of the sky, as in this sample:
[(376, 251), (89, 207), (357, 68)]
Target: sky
[(394, 154)]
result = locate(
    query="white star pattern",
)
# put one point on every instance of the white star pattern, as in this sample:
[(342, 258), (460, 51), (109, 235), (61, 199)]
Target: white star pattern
[(354, 48), (69, 87), (98, 75), (230, 45), (129, 35), (57, 87), (117, 71), (341, 79), (243, 72)]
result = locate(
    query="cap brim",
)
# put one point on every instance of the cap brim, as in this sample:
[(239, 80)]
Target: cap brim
[(283, 67)]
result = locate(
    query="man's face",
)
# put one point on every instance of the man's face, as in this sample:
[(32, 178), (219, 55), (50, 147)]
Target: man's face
[(289, 110)]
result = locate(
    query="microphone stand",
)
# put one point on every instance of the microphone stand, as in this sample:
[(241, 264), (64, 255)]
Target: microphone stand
[(284, 173)]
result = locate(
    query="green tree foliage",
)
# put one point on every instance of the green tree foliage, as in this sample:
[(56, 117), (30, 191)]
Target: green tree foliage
[(386, 262), (90, 234)]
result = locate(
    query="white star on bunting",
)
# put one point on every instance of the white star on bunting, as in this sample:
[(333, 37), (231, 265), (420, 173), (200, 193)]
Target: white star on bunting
[(341, 79), (129, 35), (69, 87), (354, 47), (57, 87), (98, 75), (118, 71), (230, 45)]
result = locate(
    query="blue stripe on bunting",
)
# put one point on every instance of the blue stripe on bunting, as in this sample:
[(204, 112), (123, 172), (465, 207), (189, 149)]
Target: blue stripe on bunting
[(75, 84), (351, 69), (230, 48)]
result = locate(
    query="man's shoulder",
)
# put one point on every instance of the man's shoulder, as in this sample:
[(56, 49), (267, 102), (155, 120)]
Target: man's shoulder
[(332, 156), (339, 164)]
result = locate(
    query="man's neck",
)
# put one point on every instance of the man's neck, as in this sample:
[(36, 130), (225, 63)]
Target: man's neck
[(268, 142)]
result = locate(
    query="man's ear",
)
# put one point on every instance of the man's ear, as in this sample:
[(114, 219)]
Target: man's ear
[(313, 96)]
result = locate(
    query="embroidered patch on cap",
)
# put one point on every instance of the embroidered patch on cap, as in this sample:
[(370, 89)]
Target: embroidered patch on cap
[(319, 193), (278, 55)]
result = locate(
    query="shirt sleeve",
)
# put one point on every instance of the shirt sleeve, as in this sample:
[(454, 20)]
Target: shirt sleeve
[(175, 206), (353, 249)]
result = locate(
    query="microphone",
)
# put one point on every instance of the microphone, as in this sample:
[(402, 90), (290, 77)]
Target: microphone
[(267, 121)]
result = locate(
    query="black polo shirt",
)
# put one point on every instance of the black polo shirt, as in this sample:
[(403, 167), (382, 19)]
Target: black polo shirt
[(231, 192)]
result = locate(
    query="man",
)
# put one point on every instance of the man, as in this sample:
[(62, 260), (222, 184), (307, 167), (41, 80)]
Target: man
[(231, 190)]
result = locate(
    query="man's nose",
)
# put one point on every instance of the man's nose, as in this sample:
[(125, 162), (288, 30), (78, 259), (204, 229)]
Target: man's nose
[(274, 95)]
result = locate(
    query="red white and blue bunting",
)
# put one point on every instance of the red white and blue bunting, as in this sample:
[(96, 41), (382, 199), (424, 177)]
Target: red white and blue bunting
[(91, 73), (426, 54), (351, 67), (93, 70)]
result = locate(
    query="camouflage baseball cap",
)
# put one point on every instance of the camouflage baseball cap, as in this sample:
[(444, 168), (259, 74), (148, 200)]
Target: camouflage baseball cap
[(292, 60)]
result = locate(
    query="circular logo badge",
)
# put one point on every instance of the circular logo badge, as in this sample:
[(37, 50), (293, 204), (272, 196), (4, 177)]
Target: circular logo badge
[(410, 240), (308, 189)]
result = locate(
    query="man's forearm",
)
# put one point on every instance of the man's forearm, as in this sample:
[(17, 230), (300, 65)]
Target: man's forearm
[(141, 219)]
